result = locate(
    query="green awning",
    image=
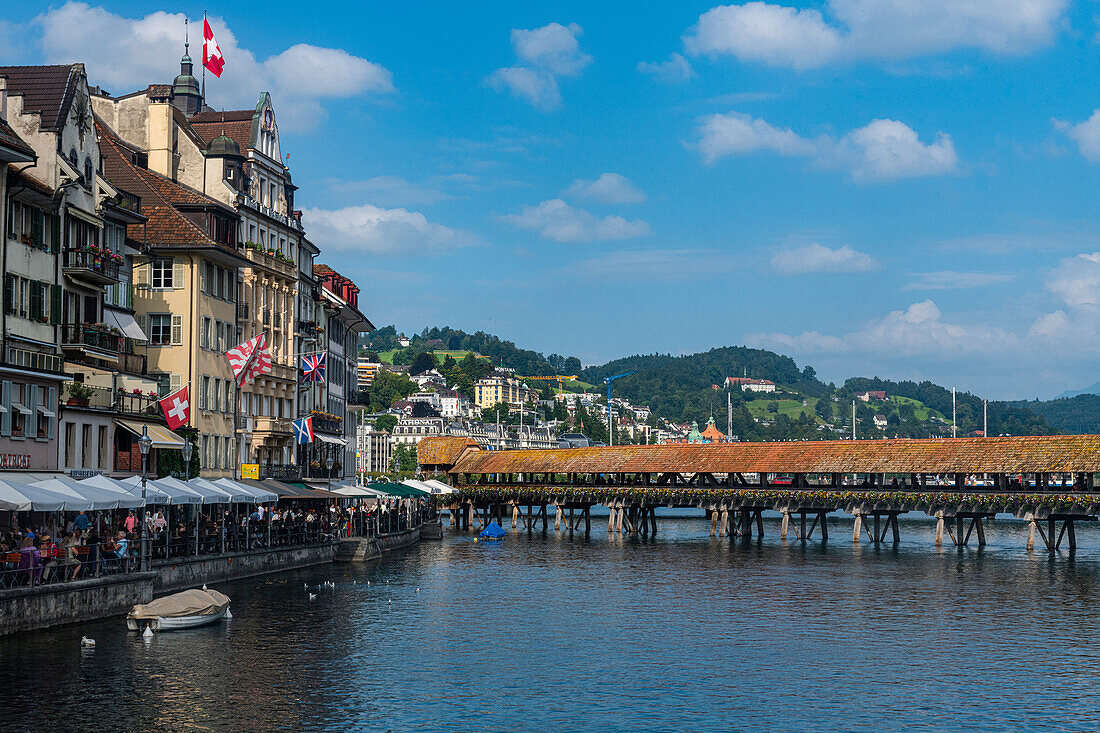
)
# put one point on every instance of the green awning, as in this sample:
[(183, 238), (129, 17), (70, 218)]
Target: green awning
[(397, 490)]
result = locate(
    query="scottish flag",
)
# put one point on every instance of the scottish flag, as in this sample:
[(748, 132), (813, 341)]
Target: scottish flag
[(303, 430), (313, 368)]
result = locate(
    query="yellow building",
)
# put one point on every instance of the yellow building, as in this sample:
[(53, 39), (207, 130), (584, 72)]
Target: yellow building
[(501, 387), (185, 292)]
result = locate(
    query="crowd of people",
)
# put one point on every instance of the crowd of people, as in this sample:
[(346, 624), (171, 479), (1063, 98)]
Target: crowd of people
[(97, 543)]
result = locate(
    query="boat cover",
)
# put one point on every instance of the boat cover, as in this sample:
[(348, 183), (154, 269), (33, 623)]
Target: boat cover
[(187, 603), (494, 530)]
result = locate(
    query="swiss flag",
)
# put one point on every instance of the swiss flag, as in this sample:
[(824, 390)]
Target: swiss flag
[(211, 55), (176, 408)]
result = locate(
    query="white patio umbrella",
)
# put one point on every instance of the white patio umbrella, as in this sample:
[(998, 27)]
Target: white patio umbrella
[(100, 498), (262, 495), (358, 491), (173, 494), (440, 487), (152, 494), (235, 495), (208, 495), (19, 497)]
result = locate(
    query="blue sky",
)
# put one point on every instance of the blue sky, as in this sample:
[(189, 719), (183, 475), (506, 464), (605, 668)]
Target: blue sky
[(886, 187)]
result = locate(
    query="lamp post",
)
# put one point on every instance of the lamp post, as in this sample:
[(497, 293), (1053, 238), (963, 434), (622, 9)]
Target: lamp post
[(328, 467), (187, 449), (144, 444)]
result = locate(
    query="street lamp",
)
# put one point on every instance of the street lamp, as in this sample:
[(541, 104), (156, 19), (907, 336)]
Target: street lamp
[(144, 444), (187, 450), (328, 466)]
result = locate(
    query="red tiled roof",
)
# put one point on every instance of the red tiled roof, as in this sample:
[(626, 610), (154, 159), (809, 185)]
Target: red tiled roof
[(443, 451), (166, 226), (1027, 454), (47, 90), (235, 124)]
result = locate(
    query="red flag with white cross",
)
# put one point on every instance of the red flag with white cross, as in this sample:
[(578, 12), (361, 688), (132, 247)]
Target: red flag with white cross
[(176, 408), (211, 54)]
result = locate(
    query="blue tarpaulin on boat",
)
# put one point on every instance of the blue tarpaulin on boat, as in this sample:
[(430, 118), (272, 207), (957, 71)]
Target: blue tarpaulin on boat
[(494, 530)]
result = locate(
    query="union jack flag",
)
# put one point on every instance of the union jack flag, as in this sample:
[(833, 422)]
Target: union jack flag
[(313, 368)]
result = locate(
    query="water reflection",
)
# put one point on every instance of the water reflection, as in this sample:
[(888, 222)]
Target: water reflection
[(556, 631)]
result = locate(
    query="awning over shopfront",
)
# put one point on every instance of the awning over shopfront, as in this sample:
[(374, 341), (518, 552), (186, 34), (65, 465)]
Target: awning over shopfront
[(125, 323), (282, 489), (398, 490), (328, 439), (161, 436)]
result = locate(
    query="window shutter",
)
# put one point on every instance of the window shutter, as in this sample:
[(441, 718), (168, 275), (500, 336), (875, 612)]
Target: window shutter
[(32, 405), (177, 330), (174, 383), (9, 294), (141, 273), (55, 238), (36, 300), (55, 304), (5, 397), (52, 407), (143, 323), (205, 278), (177, 275)]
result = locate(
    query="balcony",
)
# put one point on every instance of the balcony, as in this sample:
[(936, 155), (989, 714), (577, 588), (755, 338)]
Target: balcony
[(37, 360), (309, 329), (320, 472), (281, 471), (92, 336), (272, 425), (242, 311), (118, 401), (133, 363), (327, 423), (96, 266), (270, 260)]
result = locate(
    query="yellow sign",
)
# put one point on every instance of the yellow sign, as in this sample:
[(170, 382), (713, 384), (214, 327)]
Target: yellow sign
[(250, 470)]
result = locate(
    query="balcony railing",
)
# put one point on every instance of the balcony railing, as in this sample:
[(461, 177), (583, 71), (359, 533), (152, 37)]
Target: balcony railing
[(327, 424), (73, 334), (27, 359), (281, 471), (242, 311), (308, 329), (95, 266), (282, 371), (133, 363), (272, 425), (326, 473), (119, 401)]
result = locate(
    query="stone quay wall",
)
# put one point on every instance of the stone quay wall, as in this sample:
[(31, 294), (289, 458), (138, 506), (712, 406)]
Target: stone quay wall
[(45, 606), (174, 575)]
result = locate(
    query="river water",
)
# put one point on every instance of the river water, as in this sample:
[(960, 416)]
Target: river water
[(559, 633)]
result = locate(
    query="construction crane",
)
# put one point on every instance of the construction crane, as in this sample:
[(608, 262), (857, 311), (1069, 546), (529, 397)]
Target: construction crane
[(610, 425), (561, 380)]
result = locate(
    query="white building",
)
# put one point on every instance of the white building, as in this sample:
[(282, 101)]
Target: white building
[(748, 384)]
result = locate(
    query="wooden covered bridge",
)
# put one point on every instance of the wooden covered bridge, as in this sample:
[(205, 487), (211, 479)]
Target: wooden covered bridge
[(1048, 480)]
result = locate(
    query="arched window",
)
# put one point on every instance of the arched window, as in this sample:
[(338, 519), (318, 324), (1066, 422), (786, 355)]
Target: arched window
[(72, 160), (88, 179)]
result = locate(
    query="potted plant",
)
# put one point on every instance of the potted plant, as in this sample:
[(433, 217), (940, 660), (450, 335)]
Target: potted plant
[(79, 394)]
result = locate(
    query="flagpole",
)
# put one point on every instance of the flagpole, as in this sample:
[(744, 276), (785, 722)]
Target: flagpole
[(203, 59)]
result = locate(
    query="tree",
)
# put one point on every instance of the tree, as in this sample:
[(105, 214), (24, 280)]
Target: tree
[(387, 388), (385, 423), (572, 366), (495, 413), (422, 362), (371, 356), (824, 408), (559, 411), (423, 409), (405, 458), (773, 406)]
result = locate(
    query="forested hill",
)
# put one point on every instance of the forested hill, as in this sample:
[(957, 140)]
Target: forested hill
[(1005, 418), (1080, 414)]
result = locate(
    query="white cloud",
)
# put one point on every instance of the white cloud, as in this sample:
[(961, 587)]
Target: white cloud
[(367, 228), (674, 71), (736, 133), (1086, 134), (952, 280), (758, 31), (553, 47), (557, 220), (881, 151), (547, 53), (1076, 280), (539, 88), (815, 257), (147, 50), (610, 188), (917, 331), (873, 29)]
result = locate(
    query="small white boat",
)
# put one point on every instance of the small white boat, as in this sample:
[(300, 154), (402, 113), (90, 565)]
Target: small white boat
[(184, 610)]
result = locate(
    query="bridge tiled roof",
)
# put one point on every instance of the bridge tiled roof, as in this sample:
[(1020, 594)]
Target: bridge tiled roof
[(1026, 454), (442, 451)]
